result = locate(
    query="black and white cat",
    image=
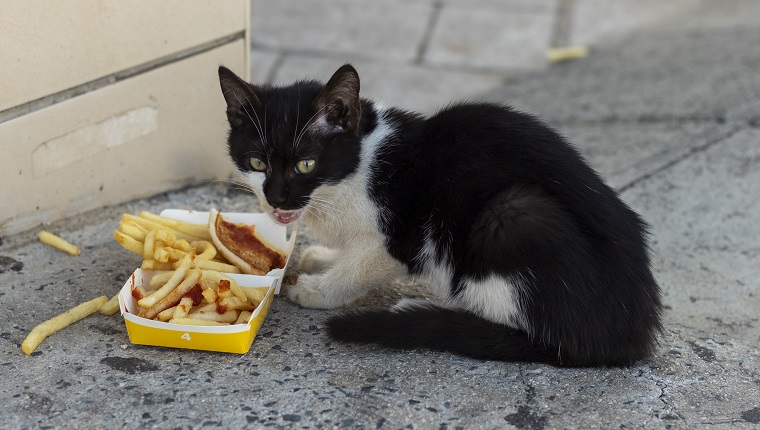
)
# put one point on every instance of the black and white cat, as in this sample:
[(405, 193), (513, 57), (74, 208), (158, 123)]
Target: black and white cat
[(531, 255)]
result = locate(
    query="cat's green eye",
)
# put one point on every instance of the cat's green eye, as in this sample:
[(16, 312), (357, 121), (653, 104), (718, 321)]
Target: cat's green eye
[(257, 164), (305, 166)]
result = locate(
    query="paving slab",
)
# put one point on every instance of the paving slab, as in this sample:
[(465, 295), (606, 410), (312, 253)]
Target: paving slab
[(369, 29), (414, 87), (671, 73), (625, 151), (505, 40), (704, 212), (595, 21)]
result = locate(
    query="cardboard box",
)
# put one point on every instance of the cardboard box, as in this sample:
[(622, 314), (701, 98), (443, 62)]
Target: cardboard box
[(272, 232), (235, 338)]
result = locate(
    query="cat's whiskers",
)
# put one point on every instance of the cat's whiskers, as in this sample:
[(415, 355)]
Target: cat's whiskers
[(242, 184), (323, 206), (257, 126), (260, 145), (319, 206), (309, 209), (298, 117), (236, 184)]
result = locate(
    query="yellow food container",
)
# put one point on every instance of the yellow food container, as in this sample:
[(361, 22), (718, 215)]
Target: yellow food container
[(236, 338)]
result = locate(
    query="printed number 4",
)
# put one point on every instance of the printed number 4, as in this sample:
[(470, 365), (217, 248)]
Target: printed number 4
[(185, 336)]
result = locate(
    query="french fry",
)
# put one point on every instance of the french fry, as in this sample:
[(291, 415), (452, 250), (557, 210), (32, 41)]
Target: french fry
[(217, 277), (58, 243), (215, 266), (223, 289), (225, 317), (156, 265), (111, 306), (133, 230), (256, 294), (160, 279), (207, 249), (174, 296), (196, 321), (157, 238), (556, 55), (138, 293), (160, 252), (129, 243), (150, 225), (172, 283), (243, 318), (198, 230), (211, 307), (149, 245), (166, 314), (45, 329), (236, 304), (183, 308), (209, 294)]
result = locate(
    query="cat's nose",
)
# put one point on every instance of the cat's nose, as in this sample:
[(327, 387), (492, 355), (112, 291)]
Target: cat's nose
[(277, 200), (276, 191)]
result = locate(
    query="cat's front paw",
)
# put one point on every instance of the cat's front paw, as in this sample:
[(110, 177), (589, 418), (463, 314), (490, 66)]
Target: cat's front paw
[(310, 293), (316, 259)]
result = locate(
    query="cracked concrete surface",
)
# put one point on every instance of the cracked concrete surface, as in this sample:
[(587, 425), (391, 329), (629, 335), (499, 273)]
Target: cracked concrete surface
[(669, 115)]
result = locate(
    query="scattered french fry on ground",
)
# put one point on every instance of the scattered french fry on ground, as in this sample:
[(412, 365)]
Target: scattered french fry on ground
[(565, 53), (58, 243), (45, 329), (111, 306)]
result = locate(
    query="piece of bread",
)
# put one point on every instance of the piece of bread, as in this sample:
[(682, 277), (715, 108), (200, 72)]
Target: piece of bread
[(240, 245)]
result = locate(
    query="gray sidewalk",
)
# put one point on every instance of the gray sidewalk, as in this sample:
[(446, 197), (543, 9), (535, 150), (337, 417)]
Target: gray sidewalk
[(421, 54), (669, 113)]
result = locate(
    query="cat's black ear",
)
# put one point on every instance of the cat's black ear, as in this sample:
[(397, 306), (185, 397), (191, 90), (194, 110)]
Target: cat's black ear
[(338, 103), (240, 96)]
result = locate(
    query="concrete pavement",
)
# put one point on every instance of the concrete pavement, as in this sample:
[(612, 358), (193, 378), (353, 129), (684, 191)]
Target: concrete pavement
[(669, 114)]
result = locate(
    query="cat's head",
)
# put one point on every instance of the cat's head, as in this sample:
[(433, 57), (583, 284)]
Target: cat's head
[(288, 141)]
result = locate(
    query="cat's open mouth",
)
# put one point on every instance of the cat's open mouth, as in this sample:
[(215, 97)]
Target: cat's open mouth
[(285, 217)]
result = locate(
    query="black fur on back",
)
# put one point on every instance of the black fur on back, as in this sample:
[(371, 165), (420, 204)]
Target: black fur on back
[(500, 193)]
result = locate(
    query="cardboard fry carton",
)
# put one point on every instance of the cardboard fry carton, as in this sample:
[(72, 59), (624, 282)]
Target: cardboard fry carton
[(272, 232), (236, 338)]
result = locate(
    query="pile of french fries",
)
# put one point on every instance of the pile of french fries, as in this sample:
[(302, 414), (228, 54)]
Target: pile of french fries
[(193, 291), (193, 296), (162, 242)]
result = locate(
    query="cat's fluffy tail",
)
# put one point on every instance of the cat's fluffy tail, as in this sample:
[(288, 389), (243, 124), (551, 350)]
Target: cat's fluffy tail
[(440, 329)]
